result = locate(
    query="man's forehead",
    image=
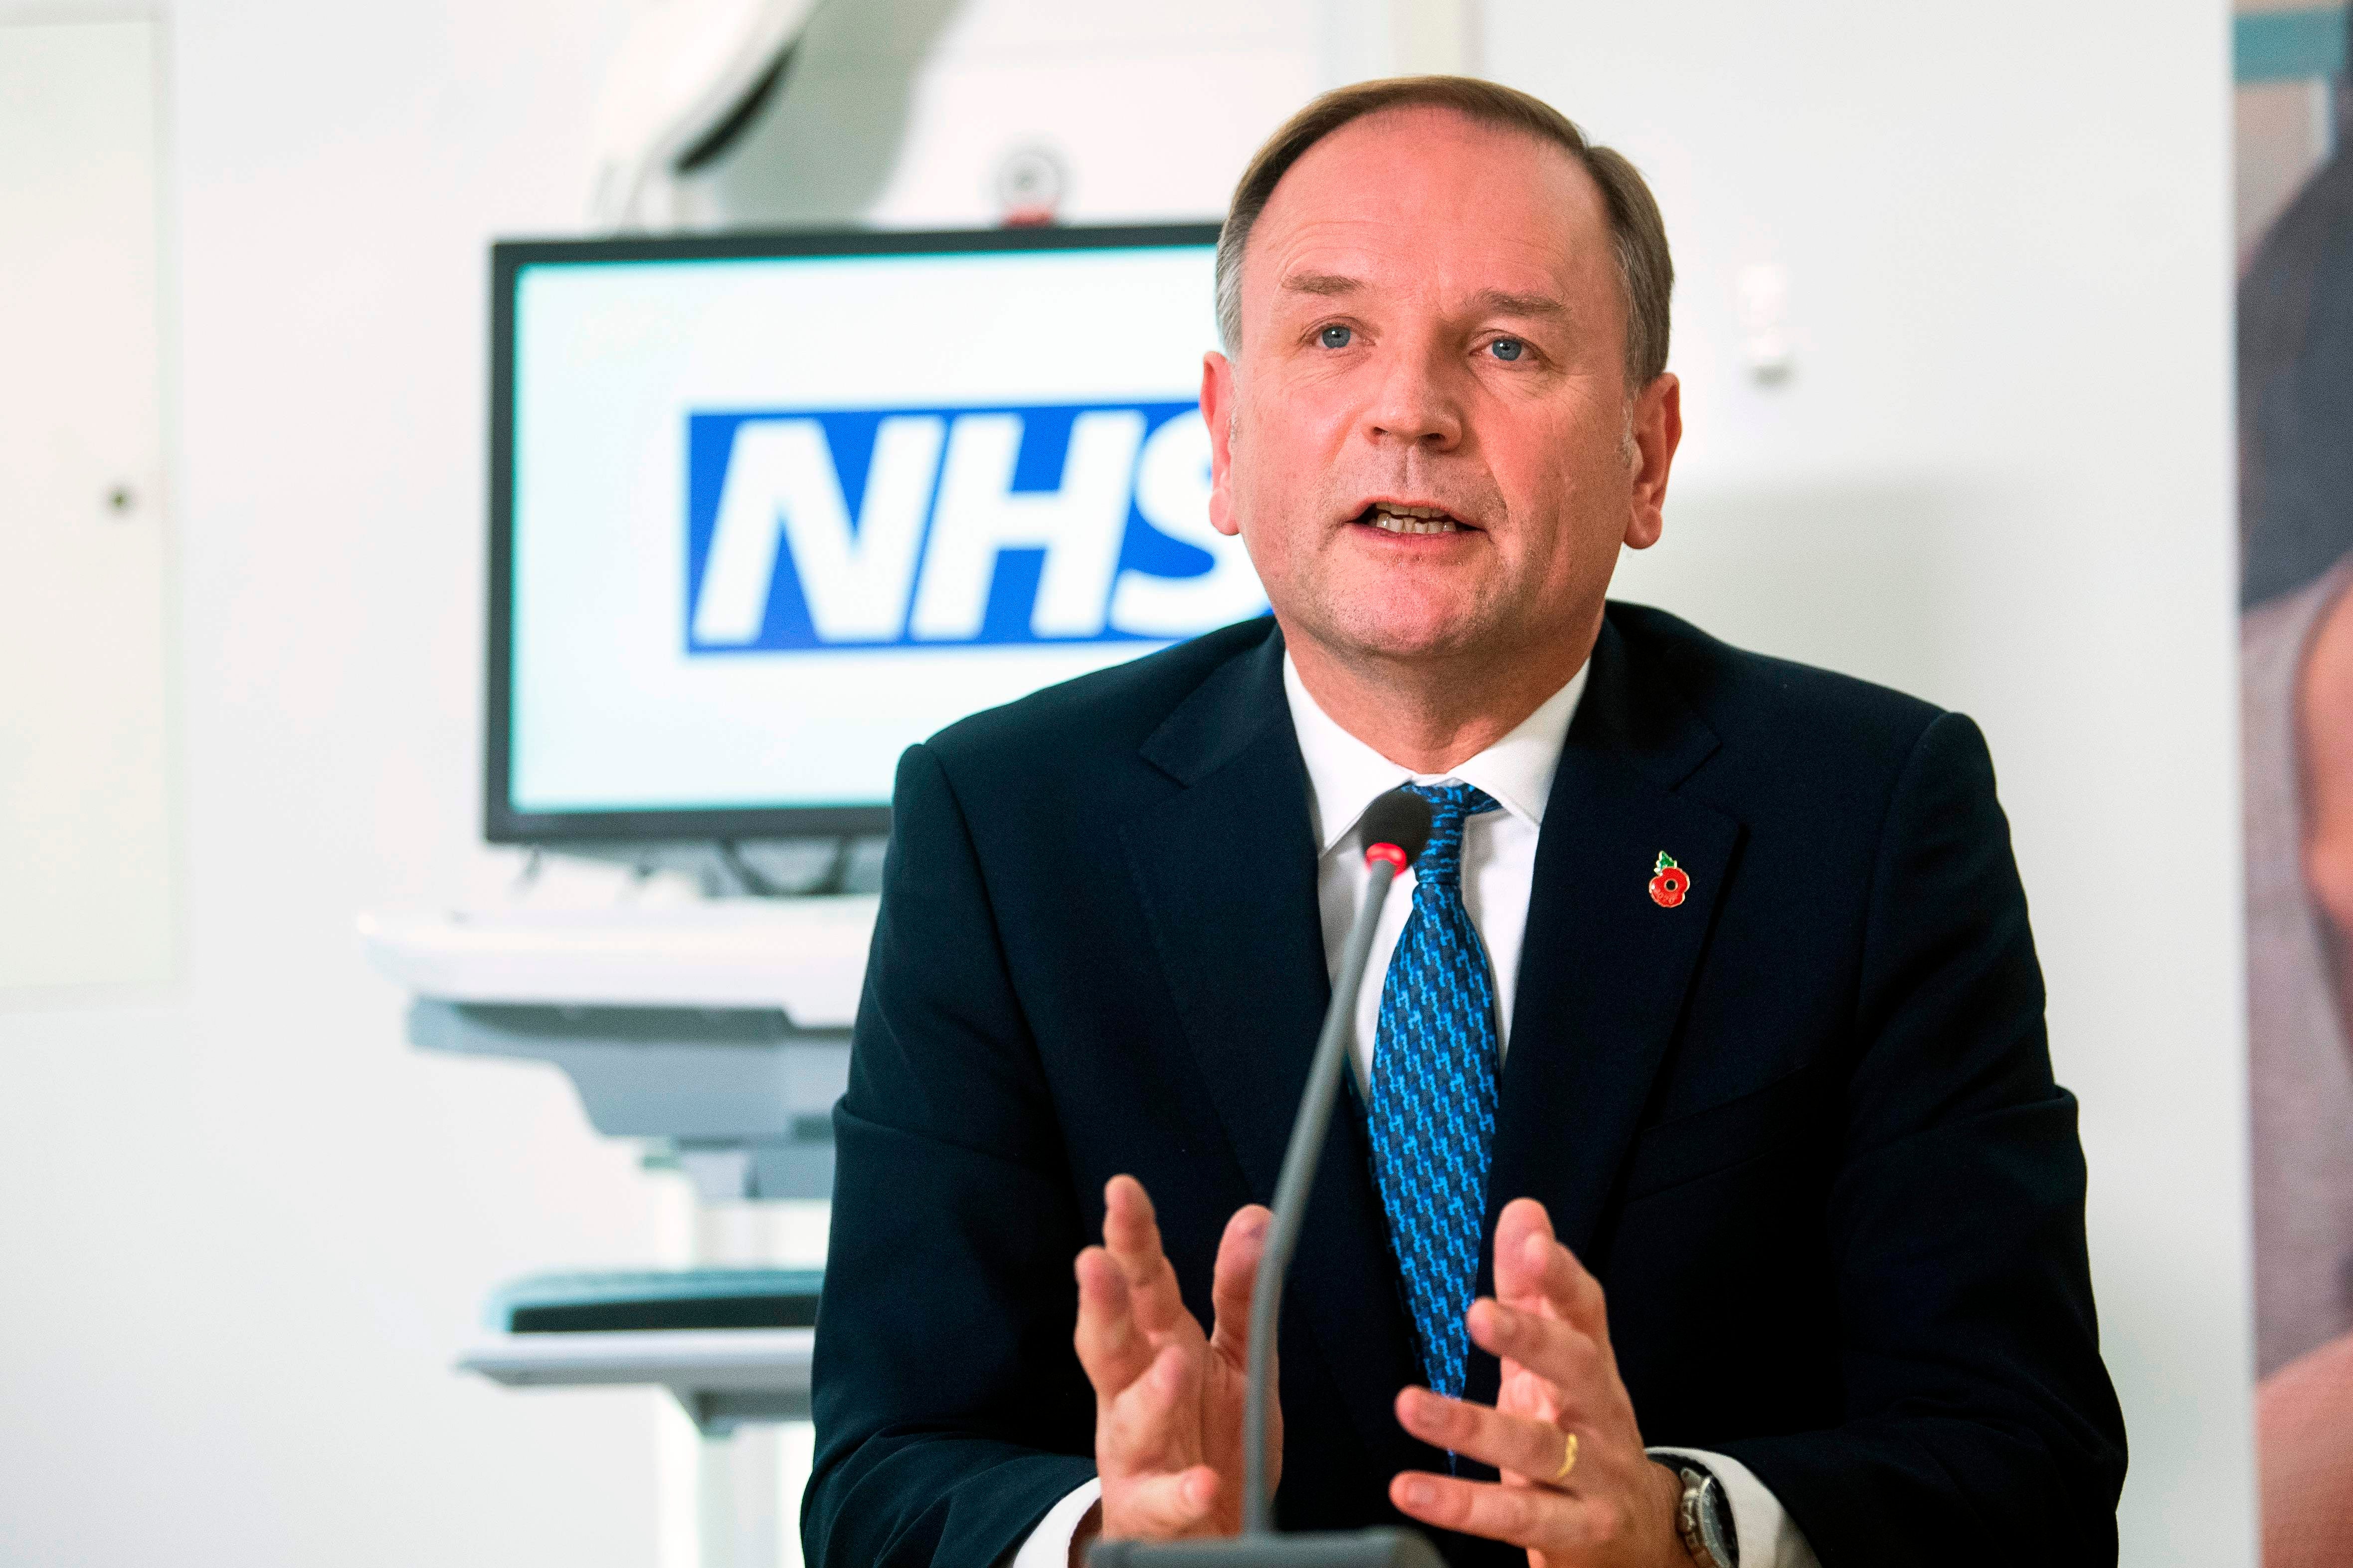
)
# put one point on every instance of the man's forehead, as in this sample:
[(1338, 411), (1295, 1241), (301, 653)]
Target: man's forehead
[(1492, 207), (1335, 258)]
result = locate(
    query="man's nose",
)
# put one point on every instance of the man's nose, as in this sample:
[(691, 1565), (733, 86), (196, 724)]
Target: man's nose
[(1415, 403)]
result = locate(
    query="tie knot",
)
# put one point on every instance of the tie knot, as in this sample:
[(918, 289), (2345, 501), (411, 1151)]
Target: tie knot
[(1450, 804)]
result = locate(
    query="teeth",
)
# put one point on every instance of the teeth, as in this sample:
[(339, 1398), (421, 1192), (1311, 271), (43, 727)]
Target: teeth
[(1413, 519)]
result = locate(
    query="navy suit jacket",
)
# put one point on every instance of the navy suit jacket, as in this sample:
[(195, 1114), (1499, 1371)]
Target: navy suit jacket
[(1802, 1127)]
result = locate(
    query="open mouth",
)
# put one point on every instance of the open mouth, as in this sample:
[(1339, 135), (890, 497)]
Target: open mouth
[(1394, 517)]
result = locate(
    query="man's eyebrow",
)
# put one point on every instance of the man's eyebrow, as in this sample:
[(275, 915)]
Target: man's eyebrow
[(1501, 302), (1326, 283), (1486, 303)]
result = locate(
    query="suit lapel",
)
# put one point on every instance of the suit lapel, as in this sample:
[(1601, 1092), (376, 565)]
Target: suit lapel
[(1604, 966), (1226, 871)]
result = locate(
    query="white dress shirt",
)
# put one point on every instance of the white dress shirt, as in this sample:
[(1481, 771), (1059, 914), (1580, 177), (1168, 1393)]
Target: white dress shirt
[(1499, 855)]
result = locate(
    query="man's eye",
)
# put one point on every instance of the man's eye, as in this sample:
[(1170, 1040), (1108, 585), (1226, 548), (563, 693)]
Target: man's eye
[(1334, 337), (1507, 347)]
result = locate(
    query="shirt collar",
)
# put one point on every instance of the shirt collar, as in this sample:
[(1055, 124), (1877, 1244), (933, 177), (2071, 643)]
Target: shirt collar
[(1344, 775)]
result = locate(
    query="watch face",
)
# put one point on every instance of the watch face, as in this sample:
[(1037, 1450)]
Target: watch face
[(1707, 1528), (1715, 1523)]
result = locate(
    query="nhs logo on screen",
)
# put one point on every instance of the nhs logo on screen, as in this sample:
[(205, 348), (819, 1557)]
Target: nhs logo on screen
[(929, 527)]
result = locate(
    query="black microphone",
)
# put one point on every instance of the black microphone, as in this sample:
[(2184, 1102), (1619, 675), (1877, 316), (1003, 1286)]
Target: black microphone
[(1395, 829)]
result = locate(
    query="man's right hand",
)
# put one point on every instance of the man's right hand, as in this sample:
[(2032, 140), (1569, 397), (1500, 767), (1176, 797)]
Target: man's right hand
[(1168, 1398)]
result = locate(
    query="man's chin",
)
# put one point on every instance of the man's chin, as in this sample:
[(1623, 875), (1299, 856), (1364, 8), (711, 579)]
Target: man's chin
[(1416, 639)]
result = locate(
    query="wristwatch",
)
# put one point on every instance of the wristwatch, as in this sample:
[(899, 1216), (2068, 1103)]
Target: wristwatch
[(1705, 1520)]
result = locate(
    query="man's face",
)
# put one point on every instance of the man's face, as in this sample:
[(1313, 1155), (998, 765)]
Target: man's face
[(1423, 437)]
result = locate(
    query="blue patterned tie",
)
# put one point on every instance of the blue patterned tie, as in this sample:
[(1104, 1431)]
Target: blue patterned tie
[(1433, 1111)]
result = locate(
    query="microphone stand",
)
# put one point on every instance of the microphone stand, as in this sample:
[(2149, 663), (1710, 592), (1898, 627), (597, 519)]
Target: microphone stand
[(1405, 817)]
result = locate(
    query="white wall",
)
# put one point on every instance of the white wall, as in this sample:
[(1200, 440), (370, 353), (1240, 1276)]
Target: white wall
[(85, 833), (244, 1227), (1999, 476)]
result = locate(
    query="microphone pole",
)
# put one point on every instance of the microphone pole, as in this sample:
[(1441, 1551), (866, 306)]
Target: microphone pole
[(1395, 829)]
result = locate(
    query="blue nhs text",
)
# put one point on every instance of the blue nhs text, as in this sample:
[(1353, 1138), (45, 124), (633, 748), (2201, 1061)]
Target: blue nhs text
[(922, 527)]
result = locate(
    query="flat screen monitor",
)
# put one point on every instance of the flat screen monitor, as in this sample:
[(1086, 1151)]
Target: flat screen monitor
[(767, 509)]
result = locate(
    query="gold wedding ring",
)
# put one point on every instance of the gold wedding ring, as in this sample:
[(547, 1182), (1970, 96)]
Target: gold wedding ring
[(1568, 1461)]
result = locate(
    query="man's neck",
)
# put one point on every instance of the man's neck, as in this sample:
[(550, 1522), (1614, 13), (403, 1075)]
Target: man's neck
[(1432, 715)]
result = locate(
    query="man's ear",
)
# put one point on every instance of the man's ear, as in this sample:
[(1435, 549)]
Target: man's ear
[(1657, 419), (1218, 413)]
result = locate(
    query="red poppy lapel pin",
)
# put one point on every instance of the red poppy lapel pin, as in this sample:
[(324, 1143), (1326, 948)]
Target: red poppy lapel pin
[(1669, 882)]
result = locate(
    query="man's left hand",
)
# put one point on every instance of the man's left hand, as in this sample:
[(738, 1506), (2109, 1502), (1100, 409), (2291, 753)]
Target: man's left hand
[(1615, 1507)]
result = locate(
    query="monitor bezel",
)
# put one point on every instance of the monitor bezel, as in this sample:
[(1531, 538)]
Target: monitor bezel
[(502, 822)]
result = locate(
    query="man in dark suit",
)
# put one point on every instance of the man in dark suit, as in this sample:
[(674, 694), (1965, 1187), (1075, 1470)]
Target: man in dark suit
[(1714, 988)]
